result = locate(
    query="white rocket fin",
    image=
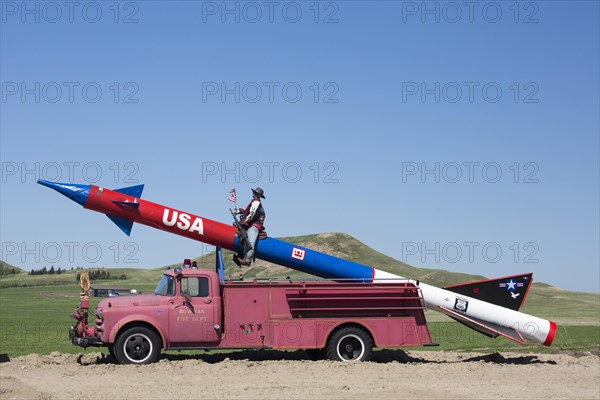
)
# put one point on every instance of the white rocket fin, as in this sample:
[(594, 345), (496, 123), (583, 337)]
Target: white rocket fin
[(487, 328)]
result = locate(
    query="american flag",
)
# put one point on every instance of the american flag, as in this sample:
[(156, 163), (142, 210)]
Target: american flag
[(232, 197)]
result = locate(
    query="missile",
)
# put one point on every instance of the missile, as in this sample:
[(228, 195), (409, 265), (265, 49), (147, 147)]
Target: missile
[(490, 307)]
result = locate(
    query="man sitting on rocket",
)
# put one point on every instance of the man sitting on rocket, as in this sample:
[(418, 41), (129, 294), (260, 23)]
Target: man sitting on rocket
[(253, 218)]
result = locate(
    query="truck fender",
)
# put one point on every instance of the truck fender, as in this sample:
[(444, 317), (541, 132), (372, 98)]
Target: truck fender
[(332, 328), (133, 319)]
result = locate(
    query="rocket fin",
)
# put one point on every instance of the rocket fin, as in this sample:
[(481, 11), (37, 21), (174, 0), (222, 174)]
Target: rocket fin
[(487, 328), (135, 191), (129, 204), (509, 291), (123, 224)]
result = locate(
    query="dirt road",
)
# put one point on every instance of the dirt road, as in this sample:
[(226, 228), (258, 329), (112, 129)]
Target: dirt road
[(276, 375)]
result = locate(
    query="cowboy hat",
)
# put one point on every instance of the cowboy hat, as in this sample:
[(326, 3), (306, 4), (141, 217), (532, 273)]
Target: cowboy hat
[(259, 192)]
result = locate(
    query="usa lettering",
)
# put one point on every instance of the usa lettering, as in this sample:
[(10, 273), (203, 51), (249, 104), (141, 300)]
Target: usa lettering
[(183, 221)]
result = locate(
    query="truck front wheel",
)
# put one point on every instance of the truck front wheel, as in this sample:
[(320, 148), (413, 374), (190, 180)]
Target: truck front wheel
[(111, 350), (350, 344), (137, 345)]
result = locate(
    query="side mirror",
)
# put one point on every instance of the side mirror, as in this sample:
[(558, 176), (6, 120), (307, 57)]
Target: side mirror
[(178, 273)]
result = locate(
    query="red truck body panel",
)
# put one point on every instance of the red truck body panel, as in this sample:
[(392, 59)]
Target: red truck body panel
[(303, 314)]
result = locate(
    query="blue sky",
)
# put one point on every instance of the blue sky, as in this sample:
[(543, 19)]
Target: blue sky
[(348, 104)]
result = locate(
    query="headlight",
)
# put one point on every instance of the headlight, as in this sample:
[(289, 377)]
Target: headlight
[(99, 313)]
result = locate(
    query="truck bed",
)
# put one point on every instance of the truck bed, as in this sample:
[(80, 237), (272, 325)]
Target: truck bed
[(303, 314)]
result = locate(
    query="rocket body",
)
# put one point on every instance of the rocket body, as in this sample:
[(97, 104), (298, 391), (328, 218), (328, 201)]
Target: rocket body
[(124, 207)]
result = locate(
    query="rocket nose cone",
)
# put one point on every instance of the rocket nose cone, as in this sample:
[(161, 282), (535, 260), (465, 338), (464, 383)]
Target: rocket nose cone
[(75, 192), (47, 183)]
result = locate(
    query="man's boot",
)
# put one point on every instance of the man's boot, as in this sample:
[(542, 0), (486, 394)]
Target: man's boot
[(236, 260), (240, 261), (245, 262)]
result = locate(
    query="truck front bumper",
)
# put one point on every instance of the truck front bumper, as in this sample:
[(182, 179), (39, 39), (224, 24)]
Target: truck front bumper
[(83, 341)]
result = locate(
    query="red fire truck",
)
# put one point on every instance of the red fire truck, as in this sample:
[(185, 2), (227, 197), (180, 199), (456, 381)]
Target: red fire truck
[(199, 309)]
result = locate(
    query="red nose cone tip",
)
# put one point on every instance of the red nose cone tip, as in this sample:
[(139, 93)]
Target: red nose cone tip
[(75, 192), (551, 334)]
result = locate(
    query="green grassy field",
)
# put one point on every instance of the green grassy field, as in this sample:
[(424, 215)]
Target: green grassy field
[(454, 336), (35, 320), (135, 277), (34, 309)]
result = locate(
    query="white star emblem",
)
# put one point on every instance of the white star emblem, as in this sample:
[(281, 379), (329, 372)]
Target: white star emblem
[(511, 285)]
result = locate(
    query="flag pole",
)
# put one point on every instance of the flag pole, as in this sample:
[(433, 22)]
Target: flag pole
[(233, 197)]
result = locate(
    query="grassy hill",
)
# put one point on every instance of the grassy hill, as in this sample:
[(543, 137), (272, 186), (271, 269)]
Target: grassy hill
[(338, 245), (544, 300), (7, 269)]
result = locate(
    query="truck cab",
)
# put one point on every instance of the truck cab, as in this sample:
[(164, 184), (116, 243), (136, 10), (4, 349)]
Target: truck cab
[(184, 311), (194, 307)]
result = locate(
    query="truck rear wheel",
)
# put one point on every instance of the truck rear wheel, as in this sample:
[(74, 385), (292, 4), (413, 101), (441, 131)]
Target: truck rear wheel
[(137, 345), (350, 344)]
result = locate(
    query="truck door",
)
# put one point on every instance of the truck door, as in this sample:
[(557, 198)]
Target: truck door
[(193, 322)]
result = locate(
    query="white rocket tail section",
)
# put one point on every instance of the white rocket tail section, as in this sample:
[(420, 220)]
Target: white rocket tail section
[(485, 317)]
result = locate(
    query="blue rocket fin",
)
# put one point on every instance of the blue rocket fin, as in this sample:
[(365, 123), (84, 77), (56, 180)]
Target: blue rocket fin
[(135, 191), (129, 204), (123, 224)]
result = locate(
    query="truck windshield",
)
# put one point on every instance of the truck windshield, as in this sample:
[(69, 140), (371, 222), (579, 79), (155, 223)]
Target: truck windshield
[(166, 286)]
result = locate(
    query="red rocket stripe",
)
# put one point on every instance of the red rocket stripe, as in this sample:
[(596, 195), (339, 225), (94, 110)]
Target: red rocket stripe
[(109, 202), (550, 337)]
